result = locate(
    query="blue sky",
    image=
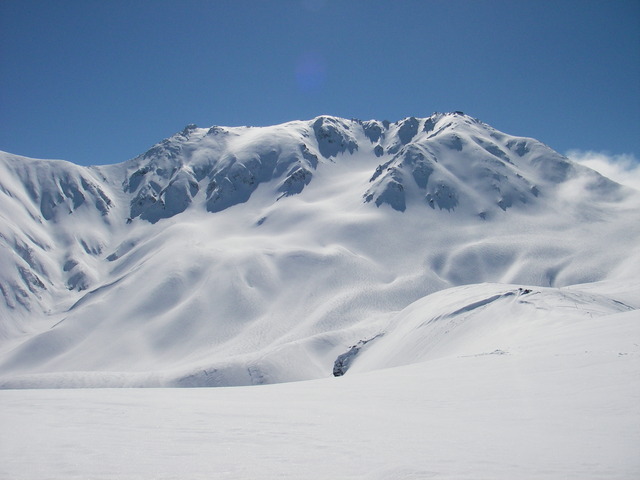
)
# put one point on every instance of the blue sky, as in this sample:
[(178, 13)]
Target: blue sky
[(97, 82)]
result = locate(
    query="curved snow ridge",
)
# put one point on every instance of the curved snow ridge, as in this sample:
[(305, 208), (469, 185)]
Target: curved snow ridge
[(493, 319), (484, 320)]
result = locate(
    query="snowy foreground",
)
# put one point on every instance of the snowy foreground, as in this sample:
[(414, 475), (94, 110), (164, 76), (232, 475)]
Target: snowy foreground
[(514, 391), (491, 416)]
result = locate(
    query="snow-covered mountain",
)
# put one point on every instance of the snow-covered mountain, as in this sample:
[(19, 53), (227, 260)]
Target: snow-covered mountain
[(246, 255)]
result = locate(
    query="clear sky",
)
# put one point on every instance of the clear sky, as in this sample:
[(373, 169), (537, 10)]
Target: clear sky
[(97, 81)]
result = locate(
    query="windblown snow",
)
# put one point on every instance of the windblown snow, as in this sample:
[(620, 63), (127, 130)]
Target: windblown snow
[(421, 252)]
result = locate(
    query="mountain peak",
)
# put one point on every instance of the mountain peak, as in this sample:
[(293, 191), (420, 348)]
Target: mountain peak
[(447, 161), (227, 254)]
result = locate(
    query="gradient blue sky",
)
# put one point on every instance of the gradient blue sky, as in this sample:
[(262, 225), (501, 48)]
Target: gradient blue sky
[(98, 82)]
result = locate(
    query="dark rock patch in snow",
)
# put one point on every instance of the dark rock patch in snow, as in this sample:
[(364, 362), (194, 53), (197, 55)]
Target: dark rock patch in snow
[(78, 281), (493, 149), (518, 146), (372, 130), (408, 128), (295, 182), (344, 360), (333, 137), (443, 196)]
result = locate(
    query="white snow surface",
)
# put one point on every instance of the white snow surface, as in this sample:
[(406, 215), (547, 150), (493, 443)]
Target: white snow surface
[(479, 292), (519, 385)]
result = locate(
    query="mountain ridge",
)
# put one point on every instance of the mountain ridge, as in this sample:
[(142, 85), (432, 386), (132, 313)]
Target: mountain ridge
[(235, 248), (165, 179)]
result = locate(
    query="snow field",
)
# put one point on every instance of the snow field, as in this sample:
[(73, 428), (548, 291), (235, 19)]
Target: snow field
[(486, 416), (474, 382), (486, 285)]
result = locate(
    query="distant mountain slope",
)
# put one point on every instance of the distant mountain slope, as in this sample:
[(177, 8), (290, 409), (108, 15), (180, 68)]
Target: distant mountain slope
[(257, 254)]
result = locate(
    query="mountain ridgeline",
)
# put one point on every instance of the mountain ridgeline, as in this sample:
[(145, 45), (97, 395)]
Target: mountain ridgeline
[(447, 159), (219, 242)]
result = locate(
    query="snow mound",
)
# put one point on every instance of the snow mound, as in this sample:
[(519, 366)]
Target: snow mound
[(490, 319)]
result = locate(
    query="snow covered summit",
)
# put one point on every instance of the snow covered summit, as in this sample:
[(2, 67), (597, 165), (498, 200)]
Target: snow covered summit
[(446, 160), (241, 255)]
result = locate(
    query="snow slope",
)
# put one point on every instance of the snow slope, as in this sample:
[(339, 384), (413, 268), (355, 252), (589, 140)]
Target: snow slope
[(240, 256), (509, 383)]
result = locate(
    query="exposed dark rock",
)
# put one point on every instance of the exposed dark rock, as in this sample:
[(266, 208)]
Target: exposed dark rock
[(332, 137), (344, 360)]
